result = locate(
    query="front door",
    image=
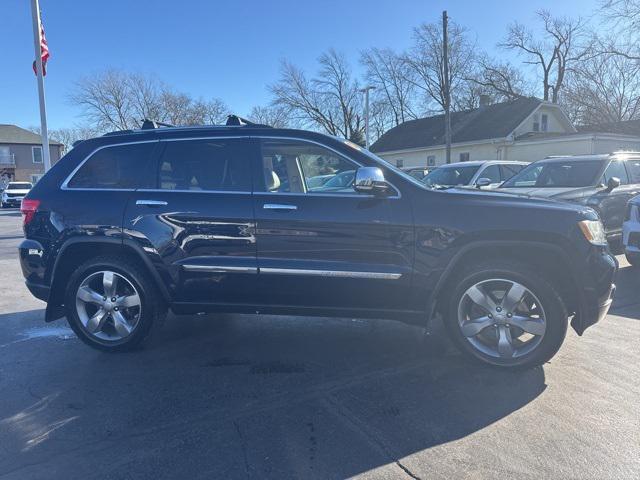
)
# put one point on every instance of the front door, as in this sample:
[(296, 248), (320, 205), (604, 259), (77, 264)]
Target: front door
[(197, 222), (612, 205), (321, 244)]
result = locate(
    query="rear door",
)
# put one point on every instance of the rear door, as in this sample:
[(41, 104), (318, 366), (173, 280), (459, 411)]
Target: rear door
[(196, 223), (327, 246)]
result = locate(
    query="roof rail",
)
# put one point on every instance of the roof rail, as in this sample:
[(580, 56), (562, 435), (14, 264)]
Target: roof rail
[(152, 124), (236, 121)]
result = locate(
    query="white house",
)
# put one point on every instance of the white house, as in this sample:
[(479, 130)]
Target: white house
[(525, 129)]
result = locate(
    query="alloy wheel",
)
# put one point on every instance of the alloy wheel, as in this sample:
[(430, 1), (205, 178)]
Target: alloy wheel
[(501, 318), (108, 306)]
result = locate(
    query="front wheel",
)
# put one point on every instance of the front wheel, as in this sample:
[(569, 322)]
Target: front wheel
[(112, 305), (506, 315)]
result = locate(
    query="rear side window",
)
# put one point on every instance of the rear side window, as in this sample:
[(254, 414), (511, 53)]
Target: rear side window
[(221, 165), (492, 172), (116, 168), (509, 170), (633, 167)]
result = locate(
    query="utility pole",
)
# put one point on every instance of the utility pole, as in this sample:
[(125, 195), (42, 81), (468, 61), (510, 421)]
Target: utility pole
[(37, 39), (447, 92), (365, 90)]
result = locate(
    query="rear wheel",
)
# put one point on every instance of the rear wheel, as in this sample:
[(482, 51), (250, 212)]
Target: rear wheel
[(112, 305), (503, 313)]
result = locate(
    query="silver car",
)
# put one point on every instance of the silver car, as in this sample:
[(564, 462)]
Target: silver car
[(481, 173)]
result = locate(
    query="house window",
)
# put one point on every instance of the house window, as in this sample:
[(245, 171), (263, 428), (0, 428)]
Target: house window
[(544, 122), (536, 123), (464, 157), (431, 160), (400, 162), (35, 178), (36, 154)]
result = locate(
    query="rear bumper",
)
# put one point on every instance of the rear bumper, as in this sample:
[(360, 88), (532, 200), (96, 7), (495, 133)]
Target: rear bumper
[(41, 292), (597, 289), (31, 253)]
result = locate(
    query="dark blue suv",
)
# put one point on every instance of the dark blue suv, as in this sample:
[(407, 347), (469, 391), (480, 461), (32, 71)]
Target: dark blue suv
[(253, 219)]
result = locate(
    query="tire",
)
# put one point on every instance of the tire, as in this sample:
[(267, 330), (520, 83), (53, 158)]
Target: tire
[(545, 315), (633, 258), (137, 301)]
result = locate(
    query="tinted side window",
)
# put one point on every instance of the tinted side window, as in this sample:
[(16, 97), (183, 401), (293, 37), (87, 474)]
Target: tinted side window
[(300, 167), (509, 170), (119, 167), (616, 169), (492, 172), (633, 167), (222, 165)]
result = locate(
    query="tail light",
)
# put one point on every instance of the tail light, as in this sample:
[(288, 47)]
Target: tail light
[(28, 209)]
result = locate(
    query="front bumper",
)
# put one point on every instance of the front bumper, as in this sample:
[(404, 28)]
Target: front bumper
[(597, 289), (12, 201)]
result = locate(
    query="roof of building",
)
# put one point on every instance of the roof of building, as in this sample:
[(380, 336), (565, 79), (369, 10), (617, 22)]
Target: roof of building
[(490, 121), (629, 127), (16, 135)]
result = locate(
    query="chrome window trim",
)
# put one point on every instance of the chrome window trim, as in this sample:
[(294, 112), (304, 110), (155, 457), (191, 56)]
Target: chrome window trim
[(160, 190), (331, 273), (65, 186), (218, 269)]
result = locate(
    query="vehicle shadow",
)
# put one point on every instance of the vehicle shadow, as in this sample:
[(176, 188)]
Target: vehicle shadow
[(264, 397)]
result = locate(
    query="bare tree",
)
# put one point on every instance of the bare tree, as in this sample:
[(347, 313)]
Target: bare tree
[(604, 88), (68, 136), (329, 101), (272, 115), (425, 62), (389, 73), (118, 100), (501, 80), (553, 52), (622, 19)]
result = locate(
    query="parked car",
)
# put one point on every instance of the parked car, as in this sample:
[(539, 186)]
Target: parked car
[(216, 227), (631, 232), (487, 173), (14, 193), (604, 182), (417, 172)]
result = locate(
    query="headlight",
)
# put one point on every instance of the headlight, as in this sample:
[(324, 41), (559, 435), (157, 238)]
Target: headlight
[(593, 231)]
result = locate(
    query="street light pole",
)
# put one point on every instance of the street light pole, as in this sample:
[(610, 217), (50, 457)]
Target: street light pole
[(365, 90)]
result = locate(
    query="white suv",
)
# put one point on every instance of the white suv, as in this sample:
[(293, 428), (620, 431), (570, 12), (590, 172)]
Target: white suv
[(14, 193), (631, 232)]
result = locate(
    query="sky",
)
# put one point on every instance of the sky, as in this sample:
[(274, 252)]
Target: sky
[(226, 49)]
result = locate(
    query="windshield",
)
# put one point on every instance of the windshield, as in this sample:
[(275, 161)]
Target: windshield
[(450, 176), (556, 174), (19, 186)]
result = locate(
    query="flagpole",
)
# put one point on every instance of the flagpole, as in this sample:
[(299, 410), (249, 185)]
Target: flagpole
[(35, 13)]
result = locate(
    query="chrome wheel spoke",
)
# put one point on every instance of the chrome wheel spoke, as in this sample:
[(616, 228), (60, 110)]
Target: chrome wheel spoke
[(481, 298), (128, 301), (534, 326), (89, 295), (110, 283), (108, 316), (513, 297), (474, 327), (120, 324), (505, 342), (97, 321)]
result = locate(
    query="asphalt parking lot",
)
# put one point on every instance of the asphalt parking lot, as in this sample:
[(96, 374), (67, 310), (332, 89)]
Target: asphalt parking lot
[(293, 397)]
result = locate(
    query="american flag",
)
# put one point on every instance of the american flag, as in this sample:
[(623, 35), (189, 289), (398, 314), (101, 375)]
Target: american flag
[(44, 51)]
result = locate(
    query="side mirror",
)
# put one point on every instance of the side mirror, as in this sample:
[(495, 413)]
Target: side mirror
[(483, 182), (370, 180), (614, 182)]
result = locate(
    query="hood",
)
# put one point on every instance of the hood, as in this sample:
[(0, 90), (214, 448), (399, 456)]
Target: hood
[(565, 193), (515, 197)]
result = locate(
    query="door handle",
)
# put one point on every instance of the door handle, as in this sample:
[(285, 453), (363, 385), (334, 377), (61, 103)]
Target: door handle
[(279, 206), (151, 203)]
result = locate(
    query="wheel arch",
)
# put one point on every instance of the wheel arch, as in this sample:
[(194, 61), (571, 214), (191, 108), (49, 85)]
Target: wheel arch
[(76, 251), (550, 259)]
